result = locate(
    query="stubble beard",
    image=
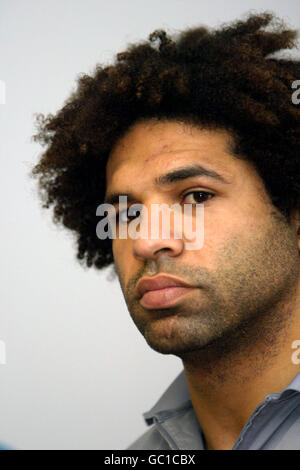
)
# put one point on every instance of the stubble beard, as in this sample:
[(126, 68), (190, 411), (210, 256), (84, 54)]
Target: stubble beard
[(242, 310)]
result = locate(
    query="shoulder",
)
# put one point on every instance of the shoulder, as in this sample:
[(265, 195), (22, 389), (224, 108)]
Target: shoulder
[(150, 440)]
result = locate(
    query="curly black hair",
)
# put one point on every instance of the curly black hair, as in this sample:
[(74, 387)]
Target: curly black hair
[(223, 78)]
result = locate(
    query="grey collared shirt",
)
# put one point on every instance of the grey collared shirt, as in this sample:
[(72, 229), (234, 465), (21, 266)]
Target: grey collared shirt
[(273, 425)]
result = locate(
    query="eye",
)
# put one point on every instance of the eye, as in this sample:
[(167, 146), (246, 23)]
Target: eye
[(122, 217), (201, 196)]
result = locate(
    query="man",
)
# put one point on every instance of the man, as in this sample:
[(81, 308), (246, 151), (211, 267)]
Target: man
[(204, 119)]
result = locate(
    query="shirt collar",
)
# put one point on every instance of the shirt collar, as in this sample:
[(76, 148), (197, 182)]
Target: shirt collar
[(293, 385), (178, 393)]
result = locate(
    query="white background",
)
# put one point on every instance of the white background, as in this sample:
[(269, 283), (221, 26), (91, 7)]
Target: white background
[(78, 372)]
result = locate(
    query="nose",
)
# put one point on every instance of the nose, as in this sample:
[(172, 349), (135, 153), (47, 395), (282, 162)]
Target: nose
[(151, 249), (153, 241)]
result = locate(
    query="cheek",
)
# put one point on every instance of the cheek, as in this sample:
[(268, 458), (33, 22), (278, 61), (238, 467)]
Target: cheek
[(217, 228), (122, 253), (116, 252), (219, 231)]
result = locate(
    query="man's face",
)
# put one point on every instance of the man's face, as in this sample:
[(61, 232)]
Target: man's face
[(248, 262)]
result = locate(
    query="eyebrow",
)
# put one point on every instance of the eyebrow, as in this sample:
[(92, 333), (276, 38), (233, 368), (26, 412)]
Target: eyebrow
[(173, 176)]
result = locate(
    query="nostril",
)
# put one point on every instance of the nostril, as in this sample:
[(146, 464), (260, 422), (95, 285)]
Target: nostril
[(163, 249)]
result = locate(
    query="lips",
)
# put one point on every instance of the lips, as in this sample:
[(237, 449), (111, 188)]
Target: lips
[(161, 291)]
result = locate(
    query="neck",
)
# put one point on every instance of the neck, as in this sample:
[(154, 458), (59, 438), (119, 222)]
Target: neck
[(227, 383)]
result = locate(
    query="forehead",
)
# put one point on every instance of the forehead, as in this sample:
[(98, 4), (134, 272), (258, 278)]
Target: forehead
[(151, 147)]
